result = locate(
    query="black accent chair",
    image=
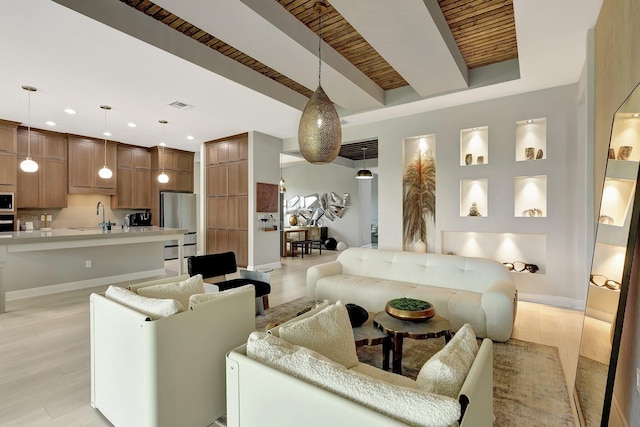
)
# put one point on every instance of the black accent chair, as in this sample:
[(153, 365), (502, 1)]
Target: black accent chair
[(215, 267)]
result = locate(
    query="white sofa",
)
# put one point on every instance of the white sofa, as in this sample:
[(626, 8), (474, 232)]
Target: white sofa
[(319, 392), (169, 371), (477, 291)]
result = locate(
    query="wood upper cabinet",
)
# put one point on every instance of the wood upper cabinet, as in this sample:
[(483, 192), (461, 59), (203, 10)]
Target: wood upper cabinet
[(86, 158), (8, 162), (47, 187), (134, 174)]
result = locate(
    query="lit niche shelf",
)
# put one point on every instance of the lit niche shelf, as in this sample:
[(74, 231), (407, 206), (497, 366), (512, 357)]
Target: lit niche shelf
[(474, 146), (503, 247), (531, 139), (624, 137), (473, 198), (530, 196)]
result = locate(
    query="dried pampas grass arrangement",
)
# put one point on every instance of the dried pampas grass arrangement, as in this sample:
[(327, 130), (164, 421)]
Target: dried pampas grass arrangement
[(419, 183)]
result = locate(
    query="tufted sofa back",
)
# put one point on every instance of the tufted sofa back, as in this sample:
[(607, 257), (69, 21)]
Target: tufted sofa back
[(446, 271)]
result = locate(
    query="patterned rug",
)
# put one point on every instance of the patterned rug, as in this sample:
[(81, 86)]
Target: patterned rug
[(529, 387)]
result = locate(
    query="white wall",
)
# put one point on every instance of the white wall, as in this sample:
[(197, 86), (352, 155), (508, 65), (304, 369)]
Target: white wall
[(560, 283), (264, 161), (305, 179)]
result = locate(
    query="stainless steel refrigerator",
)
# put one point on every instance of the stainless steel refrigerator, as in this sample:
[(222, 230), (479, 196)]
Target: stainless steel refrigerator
[(178, 210)]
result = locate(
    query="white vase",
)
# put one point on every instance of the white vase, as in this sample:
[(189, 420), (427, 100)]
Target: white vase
[(419, 246)]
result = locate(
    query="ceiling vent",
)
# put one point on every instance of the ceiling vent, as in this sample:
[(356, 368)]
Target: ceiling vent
[(179, 105)]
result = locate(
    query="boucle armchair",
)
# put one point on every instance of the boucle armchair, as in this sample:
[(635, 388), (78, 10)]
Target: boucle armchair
[(169, 371), (309, 369)]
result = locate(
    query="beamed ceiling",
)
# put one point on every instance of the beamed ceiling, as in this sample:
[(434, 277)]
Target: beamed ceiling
[(484, 32), (251, 65)]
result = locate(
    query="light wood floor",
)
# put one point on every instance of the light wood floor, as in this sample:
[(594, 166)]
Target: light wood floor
[(44, 347)]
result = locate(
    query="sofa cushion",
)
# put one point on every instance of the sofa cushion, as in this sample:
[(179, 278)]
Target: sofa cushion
[(196, 299), (180, 291), (327, 332), (372, 294), (445, 372), (152, 307), (410, 406)]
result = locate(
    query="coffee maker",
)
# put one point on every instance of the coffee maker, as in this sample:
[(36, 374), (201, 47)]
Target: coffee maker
[(138, 219)]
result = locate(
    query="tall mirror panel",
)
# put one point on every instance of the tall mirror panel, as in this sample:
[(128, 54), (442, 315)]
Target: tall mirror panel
[(610, 268)]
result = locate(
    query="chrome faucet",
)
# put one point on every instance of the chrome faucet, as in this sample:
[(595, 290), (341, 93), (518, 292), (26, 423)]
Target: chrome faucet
[(106, 226)]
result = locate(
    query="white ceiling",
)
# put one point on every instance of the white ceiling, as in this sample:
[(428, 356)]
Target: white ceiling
[(77, 62)]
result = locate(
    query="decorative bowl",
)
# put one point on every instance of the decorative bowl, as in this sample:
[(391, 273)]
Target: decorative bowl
[(410, 309)]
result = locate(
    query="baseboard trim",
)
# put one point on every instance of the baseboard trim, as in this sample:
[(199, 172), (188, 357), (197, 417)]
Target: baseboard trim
[(552, 300), (269, 266), (617, 419), (81, 284)]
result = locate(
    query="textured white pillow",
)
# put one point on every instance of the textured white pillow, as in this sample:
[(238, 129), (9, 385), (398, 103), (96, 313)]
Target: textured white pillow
[(152, 307), (444, 373), (180, 291), (327, 332), (173, 279), (408, 405), (196, 299)]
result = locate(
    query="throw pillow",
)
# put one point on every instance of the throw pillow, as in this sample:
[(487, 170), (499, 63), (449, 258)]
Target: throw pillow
[(327, 332), (357, 315), (196, 299), (152, 307), (445, 372), (180, 291)]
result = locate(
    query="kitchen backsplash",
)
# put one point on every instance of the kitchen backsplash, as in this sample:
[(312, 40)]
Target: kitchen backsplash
[(80, 212)]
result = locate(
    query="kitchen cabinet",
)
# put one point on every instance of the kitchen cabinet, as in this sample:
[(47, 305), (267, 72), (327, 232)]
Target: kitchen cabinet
[(8, 163), (134, 178), (227, 201), (178, 165), (47, 187), (86, 158)]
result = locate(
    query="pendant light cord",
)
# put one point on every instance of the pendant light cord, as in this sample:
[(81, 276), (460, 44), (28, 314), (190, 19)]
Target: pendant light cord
[(29, 127), (105, 137), (319, 44)]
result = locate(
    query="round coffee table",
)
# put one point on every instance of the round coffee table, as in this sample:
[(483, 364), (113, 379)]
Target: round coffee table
[(435, 327)]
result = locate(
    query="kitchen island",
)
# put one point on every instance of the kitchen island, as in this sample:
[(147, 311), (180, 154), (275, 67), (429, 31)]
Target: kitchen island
[(37, 262)]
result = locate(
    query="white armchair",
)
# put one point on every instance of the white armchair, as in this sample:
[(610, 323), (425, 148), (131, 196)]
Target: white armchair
[(165, 372)]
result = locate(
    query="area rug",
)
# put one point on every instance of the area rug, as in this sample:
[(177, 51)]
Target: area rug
[(529, 387)]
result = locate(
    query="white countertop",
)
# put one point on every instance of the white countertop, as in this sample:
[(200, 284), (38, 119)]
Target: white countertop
[(83, 233)]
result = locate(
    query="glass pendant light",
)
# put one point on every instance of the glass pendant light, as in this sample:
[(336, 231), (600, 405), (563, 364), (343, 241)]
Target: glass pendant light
[(163, 178), (28, 164), (281, 186), (364, 173), (105, 172), (319, 131)]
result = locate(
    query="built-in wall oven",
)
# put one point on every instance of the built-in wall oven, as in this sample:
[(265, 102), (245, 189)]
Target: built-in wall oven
[(7, 223), (6, 202)]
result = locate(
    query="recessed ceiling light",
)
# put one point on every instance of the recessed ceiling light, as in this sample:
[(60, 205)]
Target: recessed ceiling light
[(189, 137), (105, 133), (475, 128), (70, 111), (529, 121), (131, 124), (162, 144), (635, 115), (50, 123)]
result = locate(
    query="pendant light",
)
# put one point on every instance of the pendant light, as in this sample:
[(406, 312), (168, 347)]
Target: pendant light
[(105, 172), (28, 164), (364, 173), (319, 132), (281, 186), (163, 178)]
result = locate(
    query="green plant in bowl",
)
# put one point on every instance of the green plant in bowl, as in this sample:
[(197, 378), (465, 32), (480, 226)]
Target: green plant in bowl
[(410, 309)]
